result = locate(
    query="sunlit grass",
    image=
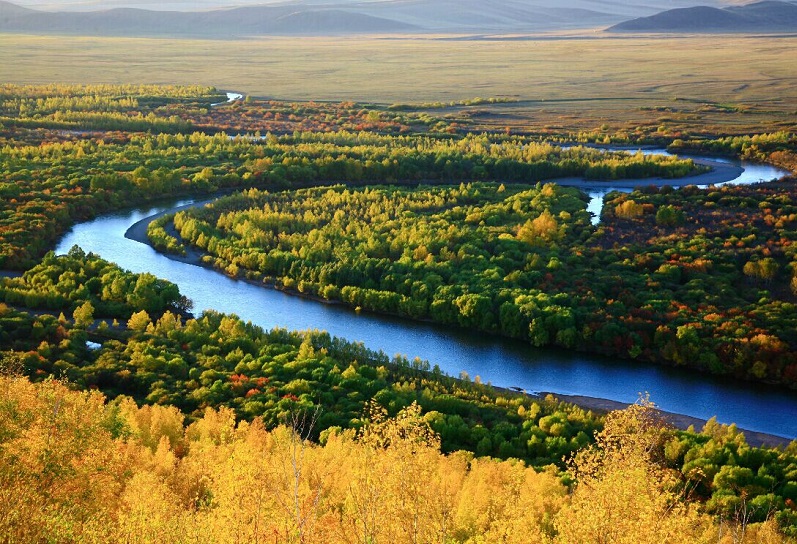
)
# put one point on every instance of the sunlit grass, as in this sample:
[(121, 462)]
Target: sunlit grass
[(560, 80)]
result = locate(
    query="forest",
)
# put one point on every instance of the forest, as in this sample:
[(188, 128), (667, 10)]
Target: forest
[(697, 278), (184, 367), (54, 176), (91, 471), (123, 414)]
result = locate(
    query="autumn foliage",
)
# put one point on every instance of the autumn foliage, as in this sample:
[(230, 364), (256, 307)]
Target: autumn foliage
[(75, 469)]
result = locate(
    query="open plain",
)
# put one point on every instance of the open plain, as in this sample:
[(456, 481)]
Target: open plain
[(721, 84)]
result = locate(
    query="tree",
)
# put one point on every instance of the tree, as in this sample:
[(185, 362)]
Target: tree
[(623, 492), (629, 209), (83, 315), (768, 269), (542, 229), (669, 216), (764, 269), (139, 321)]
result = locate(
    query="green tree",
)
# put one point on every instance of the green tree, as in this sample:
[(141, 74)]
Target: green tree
[(669, 216), (139, 321), (83, 315)]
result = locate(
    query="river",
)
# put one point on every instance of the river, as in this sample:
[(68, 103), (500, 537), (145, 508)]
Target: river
[(749, 173), (501, 361), (231, 97)]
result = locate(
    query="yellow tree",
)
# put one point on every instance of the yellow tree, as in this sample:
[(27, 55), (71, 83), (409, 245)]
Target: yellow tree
[(507, 502), (83, 315), (623, 493), (541, 230), (59, 471)]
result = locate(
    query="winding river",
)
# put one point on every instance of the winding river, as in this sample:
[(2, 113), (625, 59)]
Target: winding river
[(500, 361), (747, 173)]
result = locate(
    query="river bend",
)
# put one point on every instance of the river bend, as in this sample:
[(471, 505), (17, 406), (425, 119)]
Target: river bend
[(501, 361)]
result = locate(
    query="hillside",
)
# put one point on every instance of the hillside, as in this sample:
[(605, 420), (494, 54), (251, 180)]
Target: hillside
[(321, 18), (76, 469), (768, 16)]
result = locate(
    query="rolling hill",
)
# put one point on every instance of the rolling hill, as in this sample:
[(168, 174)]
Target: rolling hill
[(321, 17), (770, 16)]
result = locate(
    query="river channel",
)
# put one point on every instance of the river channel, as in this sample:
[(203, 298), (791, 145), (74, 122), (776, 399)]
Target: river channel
[(749, 173), (501, 361)]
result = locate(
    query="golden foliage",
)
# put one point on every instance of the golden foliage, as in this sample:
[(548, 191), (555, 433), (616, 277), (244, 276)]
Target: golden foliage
[(541, 230), (629, 209), (624, 494), (73, 469), (59, 469)]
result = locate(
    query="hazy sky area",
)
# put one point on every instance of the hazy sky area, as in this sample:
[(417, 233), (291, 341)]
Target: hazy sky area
[(196, 5), (176, 5)]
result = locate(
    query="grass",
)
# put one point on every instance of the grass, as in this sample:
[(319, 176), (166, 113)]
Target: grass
[(748, 82)]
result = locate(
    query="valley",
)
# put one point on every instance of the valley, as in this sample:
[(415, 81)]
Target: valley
[(259, 265)]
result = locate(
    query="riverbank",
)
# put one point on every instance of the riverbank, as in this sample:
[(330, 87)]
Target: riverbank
[(679, 421), (720, 172), (138, 233)]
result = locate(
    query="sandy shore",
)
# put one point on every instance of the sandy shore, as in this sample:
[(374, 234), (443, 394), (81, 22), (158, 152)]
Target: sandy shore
[(679, 421)]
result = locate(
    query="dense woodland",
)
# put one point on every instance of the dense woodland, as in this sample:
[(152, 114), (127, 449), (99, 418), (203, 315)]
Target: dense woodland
[(152, 408), (698, 278), (159, 358), (75, 469), (54, 177)]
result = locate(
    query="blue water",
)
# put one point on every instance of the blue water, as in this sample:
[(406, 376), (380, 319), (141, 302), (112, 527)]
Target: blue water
[(752, 173), (500, 361)]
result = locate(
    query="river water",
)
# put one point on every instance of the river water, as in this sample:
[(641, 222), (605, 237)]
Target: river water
[(752, 173), (501, 361)]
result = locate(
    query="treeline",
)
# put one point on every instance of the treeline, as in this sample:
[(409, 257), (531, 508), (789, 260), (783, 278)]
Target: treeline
[(63, 283), (101, 121), (100, 92), (378, 158), (46, 187), (776, 148), (477, 101), (260, 117), (746, 146), (699, 278), (134, 108)]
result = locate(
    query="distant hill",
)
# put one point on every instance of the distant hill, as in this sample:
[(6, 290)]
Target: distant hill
[(325, 17), (230, 23), (9, 12), (761, 17), (335, 21)]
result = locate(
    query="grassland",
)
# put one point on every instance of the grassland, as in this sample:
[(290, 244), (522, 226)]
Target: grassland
[(729, 83)]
